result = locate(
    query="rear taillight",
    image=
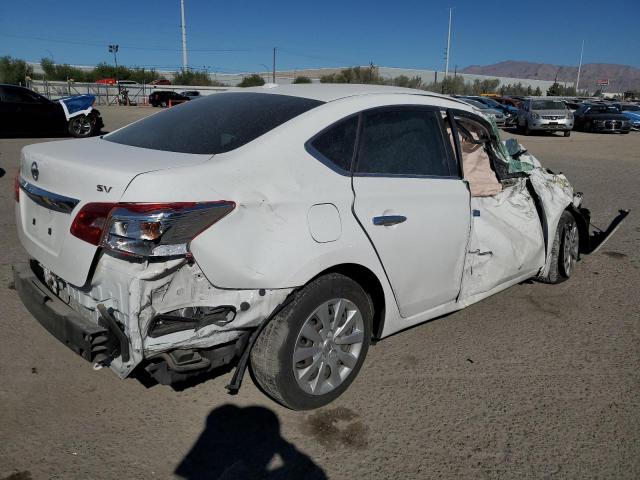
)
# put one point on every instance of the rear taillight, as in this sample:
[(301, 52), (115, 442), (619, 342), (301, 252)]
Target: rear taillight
[(90, 221), (147, 229)]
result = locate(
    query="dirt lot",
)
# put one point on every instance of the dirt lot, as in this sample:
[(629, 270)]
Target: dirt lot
[(536, 382)]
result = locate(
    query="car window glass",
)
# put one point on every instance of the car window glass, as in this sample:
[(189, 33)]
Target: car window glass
[(337, 143), (402, 142), (15, 95), (214, 124)]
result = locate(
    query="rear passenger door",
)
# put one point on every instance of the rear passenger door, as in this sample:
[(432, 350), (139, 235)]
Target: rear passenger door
[(412, 203), (11, 118)]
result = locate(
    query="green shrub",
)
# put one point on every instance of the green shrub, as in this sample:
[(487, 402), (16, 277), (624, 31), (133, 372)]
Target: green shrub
[(302, 79), (253, 80)]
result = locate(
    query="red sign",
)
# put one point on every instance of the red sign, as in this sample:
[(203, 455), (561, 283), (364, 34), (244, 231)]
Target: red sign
[(603, 82)]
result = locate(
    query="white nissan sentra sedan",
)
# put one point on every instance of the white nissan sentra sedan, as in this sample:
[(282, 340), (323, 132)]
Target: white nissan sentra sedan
[(283, 228)]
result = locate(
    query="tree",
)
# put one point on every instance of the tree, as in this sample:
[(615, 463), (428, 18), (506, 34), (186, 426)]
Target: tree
[(192, 77), (14, 70), (537, 92), (253, 80), (554, 90), (404, 81), (302, 79), (367, 75)]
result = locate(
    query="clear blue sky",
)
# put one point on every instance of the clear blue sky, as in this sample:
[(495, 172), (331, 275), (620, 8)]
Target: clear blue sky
[(232, 36)]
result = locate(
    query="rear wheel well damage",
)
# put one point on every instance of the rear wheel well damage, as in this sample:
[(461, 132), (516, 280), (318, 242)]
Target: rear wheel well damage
[(371, 285)]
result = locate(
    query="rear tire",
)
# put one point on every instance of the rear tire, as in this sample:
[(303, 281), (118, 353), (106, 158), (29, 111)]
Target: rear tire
[(163, 104), (565, 250), (526, 130), (311, 351)]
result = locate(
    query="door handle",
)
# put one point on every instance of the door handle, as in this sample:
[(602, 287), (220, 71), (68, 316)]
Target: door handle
[(388, 220)]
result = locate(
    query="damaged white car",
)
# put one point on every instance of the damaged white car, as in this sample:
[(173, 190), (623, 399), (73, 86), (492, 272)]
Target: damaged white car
[(285, 228)]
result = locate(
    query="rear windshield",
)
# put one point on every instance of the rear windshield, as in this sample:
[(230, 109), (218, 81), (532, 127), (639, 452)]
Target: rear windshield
[(216, 123)]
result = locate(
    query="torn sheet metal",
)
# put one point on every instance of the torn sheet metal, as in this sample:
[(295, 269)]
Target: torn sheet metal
[(137, 292), (508, 232), (505, 241)]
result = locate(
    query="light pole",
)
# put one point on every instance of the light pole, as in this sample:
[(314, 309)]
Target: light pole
[(273, 78), (183, 27), (267, 68), (446, 68), (579, 68), (114, 49)]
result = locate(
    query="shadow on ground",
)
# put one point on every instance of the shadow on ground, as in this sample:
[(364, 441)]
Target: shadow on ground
[(245, 443)]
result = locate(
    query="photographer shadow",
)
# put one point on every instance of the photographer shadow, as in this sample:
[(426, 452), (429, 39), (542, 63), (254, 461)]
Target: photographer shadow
[(245, 443)]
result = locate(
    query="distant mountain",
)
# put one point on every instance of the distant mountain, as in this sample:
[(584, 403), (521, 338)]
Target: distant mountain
[(621, 77)]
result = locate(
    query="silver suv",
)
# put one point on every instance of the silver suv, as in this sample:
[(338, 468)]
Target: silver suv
[(545, 114)]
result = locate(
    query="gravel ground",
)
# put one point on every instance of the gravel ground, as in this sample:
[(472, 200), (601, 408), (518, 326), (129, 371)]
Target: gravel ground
[(538, 381)]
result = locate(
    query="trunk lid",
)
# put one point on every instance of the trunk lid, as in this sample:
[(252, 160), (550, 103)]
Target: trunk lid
[(61, 177)]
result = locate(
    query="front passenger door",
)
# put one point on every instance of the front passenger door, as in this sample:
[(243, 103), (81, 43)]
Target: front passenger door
[(413, 205)]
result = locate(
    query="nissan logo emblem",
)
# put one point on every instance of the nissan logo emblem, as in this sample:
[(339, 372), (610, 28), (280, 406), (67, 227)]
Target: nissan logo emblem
[(34, 171)]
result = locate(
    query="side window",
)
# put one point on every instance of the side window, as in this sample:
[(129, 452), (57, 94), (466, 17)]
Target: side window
[(402, 142), (337, 143), (15, 95)]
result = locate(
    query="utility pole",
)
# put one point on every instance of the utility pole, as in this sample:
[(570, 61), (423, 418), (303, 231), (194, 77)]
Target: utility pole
[(579, 68), (185, 63), (114, 49), (273, 76), (446, 68)]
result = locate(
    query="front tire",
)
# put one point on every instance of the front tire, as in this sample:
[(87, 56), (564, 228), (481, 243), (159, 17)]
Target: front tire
[(567, 133), (312, 350), (565, 250), (82, 126), (527, 130)]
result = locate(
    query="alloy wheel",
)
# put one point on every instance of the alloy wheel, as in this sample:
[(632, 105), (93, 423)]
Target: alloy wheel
[(328, 346)]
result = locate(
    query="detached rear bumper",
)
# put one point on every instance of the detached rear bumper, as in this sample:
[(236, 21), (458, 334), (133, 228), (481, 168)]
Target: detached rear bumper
[(92, 342)]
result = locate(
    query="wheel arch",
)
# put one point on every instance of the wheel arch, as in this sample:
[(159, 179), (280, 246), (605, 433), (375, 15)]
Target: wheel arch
[(371, 284), (582, 218)]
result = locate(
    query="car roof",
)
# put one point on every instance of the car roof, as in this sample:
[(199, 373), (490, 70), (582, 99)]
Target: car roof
[(335, 91)]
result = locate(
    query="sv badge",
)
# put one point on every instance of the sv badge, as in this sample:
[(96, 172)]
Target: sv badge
[(103, 188)]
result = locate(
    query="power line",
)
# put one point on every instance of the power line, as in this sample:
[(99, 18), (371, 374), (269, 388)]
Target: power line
[(131, 47)]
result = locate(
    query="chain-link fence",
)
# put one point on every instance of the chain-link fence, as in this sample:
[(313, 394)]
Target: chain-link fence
[(138, 94)]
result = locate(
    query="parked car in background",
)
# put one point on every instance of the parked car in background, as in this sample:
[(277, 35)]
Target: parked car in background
[(128, 83), (572, 105), (490, 102), (191, 94), (496, 115), (250, 227), (514, 102), (162, 98), (544, 115), (632, 112), (23, 111), (160, 81), (601, 117)]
